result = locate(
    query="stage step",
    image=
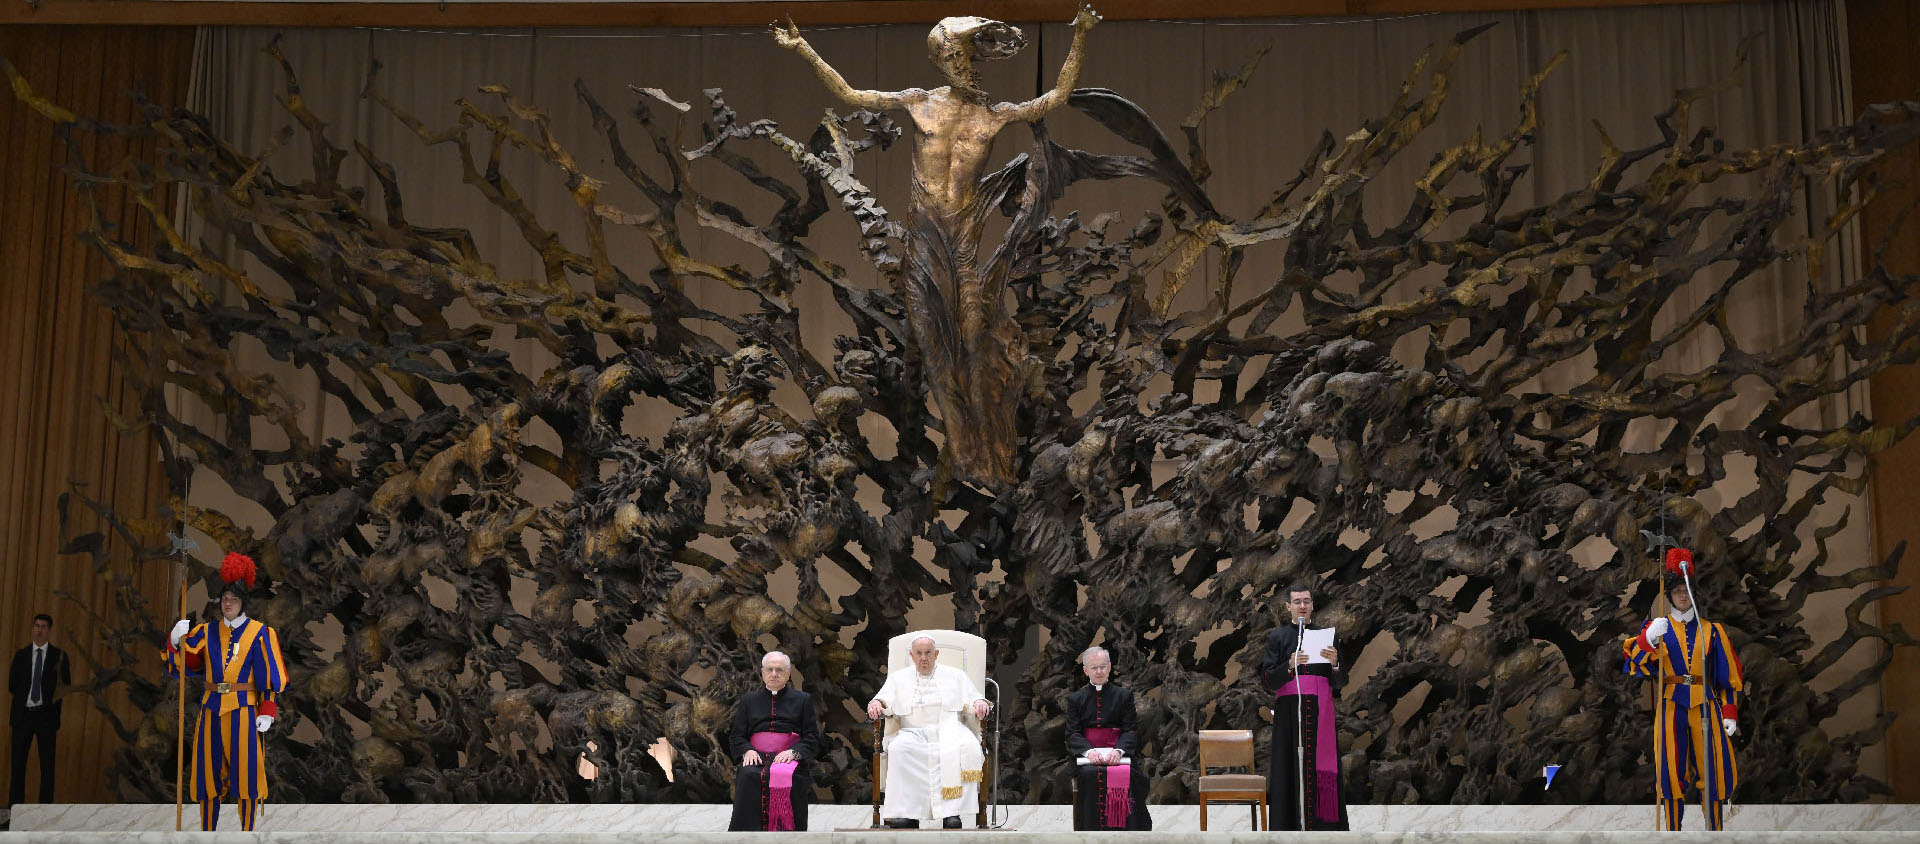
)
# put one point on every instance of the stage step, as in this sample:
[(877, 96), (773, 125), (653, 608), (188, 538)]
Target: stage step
[(511, 822), (891, 837)]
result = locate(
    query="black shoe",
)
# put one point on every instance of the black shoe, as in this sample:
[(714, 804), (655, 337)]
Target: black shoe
[(950, 822), (901, 823)]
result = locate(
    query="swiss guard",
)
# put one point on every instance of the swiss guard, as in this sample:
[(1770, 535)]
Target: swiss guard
[(1694, 714), (240, 659)]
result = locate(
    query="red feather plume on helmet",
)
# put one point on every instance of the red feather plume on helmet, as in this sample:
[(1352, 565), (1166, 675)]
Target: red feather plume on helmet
[(1677, 557), (237, 566)]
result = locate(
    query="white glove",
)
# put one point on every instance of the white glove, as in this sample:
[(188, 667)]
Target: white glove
[(1730, 725), (1657, 629), (263, 723), (180, 629)]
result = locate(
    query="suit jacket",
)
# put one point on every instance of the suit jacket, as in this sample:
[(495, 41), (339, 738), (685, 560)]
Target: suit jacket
[(54, 674), (1276, 665)]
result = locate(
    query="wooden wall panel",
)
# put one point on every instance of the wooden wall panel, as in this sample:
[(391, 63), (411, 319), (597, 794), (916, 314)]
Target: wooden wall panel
[(1882, 36), (57, 360), (730, 14)]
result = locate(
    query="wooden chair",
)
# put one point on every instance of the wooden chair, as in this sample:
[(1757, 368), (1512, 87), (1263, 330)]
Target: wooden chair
[(1231, 749), (966, 652)]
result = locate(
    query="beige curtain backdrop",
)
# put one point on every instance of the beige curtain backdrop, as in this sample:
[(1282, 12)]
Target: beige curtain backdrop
[(1322, 75)]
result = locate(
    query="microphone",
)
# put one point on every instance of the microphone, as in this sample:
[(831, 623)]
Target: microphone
[(1299, 639)]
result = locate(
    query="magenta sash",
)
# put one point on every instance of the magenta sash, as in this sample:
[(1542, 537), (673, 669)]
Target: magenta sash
[(1326, 764), (1119, 777), (779, 777)]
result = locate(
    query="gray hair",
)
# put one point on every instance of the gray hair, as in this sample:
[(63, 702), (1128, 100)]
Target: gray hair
[(1096, 649), (783, 658), (929, 640)]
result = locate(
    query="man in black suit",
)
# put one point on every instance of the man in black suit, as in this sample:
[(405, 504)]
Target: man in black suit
[(39, 670)]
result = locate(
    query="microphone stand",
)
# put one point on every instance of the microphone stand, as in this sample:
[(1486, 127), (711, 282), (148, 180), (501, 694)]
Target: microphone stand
[(1300, 722), (998, 816)]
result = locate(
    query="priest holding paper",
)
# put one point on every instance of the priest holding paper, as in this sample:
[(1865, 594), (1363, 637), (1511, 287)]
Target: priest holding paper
[(934, 759), (1302, 668)]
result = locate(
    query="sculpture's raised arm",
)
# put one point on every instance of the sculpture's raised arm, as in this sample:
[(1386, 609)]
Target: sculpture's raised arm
[(790, 38), (1037, 107)]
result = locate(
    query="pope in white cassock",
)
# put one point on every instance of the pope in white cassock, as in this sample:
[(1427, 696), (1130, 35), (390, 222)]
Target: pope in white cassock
[(934, 760)]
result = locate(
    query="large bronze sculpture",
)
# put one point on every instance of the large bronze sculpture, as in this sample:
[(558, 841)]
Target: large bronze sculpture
[(974, 353), (1153, 519)]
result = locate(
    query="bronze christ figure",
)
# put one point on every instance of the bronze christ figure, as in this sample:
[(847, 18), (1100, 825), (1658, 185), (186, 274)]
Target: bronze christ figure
[(974, 354)]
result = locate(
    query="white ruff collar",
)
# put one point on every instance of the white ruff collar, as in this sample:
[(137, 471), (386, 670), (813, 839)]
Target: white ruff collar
[(1682, 617)]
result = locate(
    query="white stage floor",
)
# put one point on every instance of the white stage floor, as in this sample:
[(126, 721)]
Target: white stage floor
[(396, 823), (909, 837)]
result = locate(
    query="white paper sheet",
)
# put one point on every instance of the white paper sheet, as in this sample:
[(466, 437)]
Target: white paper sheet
[(1316, 640)]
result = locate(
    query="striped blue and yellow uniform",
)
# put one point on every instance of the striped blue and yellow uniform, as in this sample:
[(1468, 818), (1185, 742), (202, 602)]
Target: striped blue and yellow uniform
[(245, 674), (1695, 671)]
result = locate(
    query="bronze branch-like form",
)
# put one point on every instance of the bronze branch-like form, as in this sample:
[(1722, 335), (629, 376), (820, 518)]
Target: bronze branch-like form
[(491, 639)]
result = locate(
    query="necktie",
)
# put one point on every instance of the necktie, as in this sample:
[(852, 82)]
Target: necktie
[(33, 691)]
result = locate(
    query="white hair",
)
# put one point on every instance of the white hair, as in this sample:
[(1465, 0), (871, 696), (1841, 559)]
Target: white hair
[(783, 658), (928, 639), (1096, 649)]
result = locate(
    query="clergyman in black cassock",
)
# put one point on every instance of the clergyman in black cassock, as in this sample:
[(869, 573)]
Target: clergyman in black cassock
[(1103, 727), (1310, 699), (775, 734)]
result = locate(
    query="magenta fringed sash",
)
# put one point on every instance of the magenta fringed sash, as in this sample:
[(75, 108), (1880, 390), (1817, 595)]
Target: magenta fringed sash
[(1119, 777), (779, 777), (1326, 765)]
